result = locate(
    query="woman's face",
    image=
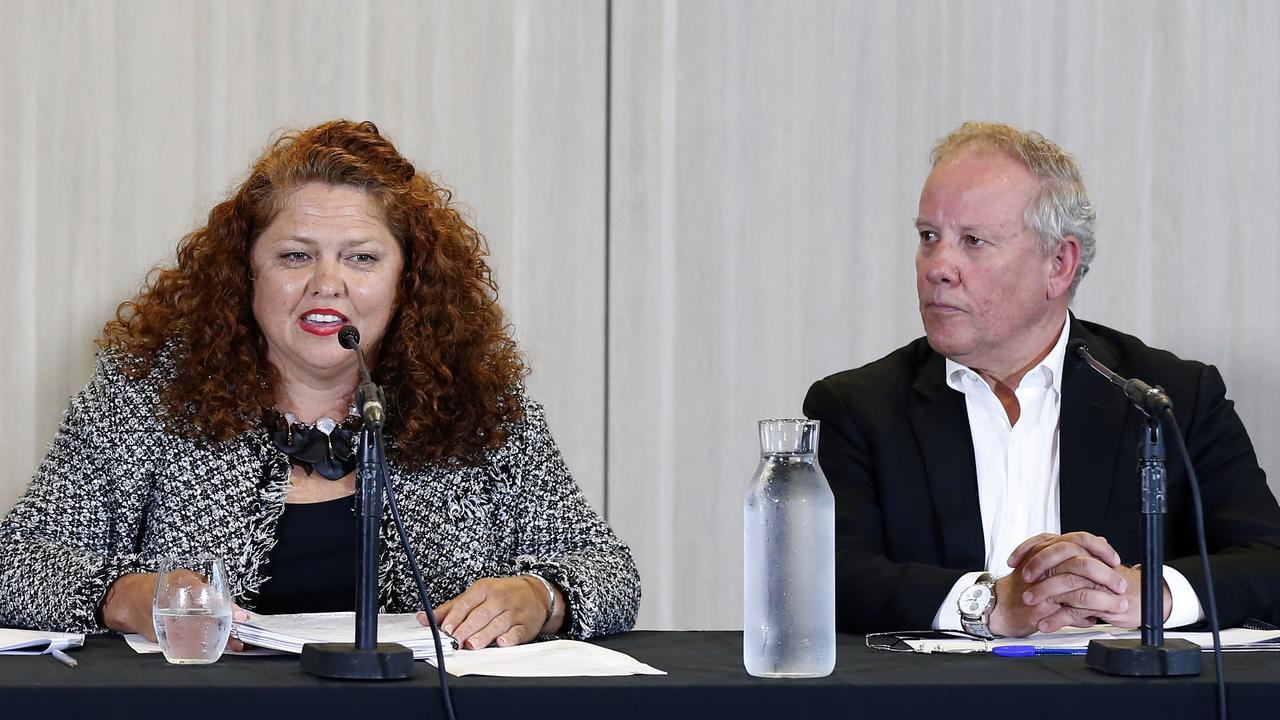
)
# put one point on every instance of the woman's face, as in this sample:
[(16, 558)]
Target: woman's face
[(327, 260)]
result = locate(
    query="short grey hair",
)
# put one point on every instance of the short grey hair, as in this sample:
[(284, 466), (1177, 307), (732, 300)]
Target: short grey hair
[(1060, 208)]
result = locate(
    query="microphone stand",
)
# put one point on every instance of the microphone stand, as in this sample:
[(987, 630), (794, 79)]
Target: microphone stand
[(1152, 656), (366, 659)]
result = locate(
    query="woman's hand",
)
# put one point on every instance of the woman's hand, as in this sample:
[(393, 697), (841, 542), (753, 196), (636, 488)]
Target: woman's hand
[(127, 607), (508, 611)]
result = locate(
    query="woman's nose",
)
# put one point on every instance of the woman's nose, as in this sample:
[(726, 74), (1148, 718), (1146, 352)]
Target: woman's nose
[(327, 280)]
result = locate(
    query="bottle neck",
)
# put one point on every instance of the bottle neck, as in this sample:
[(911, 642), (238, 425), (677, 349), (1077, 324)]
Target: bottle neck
[(788, 437)]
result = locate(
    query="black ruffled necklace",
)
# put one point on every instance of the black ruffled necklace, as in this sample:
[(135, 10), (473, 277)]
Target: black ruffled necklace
[(325, 446)]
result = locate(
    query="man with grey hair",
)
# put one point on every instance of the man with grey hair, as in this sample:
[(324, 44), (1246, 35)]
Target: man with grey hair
[(986, 481)]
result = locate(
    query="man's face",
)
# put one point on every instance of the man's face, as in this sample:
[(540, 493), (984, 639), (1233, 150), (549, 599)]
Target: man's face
[(988, 297)]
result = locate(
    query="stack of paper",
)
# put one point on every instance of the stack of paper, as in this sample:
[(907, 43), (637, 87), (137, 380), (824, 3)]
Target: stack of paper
[(290, 632), (554, 658), (36, 642)]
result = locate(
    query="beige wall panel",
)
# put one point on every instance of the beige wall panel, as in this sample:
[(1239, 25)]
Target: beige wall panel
[(125, 122), (767, 159)]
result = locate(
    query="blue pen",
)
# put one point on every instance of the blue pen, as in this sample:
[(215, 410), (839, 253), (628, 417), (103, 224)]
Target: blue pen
[(1029, 650)]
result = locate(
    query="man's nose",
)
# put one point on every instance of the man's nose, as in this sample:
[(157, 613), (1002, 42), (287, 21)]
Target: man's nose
[(939, 265)]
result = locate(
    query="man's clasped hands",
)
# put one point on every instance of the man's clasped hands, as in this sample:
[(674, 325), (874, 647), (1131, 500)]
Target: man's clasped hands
[(1074, 579)]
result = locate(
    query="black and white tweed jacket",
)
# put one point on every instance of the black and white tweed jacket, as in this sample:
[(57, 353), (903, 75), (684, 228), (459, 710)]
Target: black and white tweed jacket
[(117, 491)]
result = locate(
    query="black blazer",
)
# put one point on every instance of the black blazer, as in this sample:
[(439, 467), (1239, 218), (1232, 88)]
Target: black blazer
[(896, 448)]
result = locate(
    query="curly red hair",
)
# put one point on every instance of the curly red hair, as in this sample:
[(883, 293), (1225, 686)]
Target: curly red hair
[(448, 364)]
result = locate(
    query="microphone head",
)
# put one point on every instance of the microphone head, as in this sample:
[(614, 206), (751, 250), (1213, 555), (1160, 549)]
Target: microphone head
[(349, 337), (1077, 347)]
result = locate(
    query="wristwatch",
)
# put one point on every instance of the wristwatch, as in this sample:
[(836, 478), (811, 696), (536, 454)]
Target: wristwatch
[(976, 604)]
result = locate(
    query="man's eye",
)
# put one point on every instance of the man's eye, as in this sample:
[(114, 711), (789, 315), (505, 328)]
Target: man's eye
[(972, 241), (928, 236)]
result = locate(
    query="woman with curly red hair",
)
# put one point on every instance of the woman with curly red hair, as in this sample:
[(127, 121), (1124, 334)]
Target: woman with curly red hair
[(220, 421)]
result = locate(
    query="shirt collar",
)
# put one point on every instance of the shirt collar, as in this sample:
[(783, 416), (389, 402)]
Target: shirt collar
[(1047, 373)]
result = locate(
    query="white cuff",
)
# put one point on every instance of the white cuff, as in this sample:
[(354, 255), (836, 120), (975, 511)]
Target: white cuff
[(948, 615), (1185, 607)]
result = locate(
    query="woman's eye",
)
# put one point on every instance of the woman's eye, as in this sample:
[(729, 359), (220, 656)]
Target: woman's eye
[(295, 257), (364, 258)]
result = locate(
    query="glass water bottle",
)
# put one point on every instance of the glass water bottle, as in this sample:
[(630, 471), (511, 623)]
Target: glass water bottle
[(788, 536)]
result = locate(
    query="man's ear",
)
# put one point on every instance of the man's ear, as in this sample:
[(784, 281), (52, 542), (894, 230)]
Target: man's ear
[(1062, 267)]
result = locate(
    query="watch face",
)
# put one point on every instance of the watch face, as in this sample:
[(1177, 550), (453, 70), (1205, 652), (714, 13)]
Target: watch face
[(975, 600)]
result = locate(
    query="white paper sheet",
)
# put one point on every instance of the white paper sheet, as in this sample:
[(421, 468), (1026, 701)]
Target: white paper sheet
[(553, 658), (36, 642), (1233, 639), (143, 646)]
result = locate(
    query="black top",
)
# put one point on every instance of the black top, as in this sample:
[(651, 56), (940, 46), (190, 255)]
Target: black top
[(312, 567)]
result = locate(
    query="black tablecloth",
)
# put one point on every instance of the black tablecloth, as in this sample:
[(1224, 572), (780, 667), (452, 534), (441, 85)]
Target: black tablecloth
[(705, 679)]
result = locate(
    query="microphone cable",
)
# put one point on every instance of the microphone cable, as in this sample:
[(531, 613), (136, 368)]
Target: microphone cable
[(446, 698), (349, 338), (1204, 563)]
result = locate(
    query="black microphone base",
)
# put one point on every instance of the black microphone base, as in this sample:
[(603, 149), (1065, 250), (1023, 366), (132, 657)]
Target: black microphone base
[(385, 661), (1130, 657)]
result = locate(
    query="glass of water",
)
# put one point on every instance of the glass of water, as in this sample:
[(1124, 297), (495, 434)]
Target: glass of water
[(192, 609)]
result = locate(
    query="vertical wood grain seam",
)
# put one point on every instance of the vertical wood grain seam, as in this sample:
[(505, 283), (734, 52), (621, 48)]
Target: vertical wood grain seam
[(608, 240)]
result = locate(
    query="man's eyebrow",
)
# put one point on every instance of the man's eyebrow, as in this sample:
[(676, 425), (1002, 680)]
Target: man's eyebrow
[(975, 229)]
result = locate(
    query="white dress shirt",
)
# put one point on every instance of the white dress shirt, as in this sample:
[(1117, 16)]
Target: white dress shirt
[(1017, 469)]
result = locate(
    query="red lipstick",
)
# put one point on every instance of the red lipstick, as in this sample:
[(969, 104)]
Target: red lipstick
[(322, 321)]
